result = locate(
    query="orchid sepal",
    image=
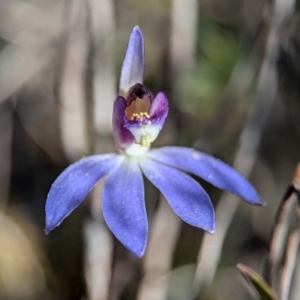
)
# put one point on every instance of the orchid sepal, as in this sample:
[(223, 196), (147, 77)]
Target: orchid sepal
[(133, 65)]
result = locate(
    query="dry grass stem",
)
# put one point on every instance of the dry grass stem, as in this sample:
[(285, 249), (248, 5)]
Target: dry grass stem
[(72, 87), (158, 259)]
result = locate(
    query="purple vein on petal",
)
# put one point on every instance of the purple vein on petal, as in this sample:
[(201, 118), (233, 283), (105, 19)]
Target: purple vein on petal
[(186, 197), (124, 206), (73, 185), (133, 65), (208, 168)]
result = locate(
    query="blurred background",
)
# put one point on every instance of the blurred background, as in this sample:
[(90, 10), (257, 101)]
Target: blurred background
[(231, 71)]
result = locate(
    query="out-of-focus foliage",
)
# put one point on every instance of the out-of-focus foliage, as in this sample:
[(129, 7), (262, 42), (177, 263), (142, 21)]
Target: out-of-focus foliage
[(201, 88)]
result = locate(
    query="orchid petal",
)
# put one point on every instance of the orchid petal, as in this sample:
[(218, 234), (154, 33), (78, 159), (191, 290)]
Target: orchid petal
[(122, 136), (186, 197), (159, 109), (73, 184), (208, 168), (124, 206), (133, 64)]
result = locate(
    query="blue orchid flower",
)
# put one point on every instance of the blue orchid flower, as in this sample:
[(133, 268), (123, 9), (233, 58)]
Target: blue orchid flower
[(138, 117)]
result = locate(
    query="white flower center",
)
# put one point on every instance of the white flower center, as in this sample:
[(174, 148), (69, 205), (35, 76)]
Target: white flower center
[(136, 150), (145, 134)]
